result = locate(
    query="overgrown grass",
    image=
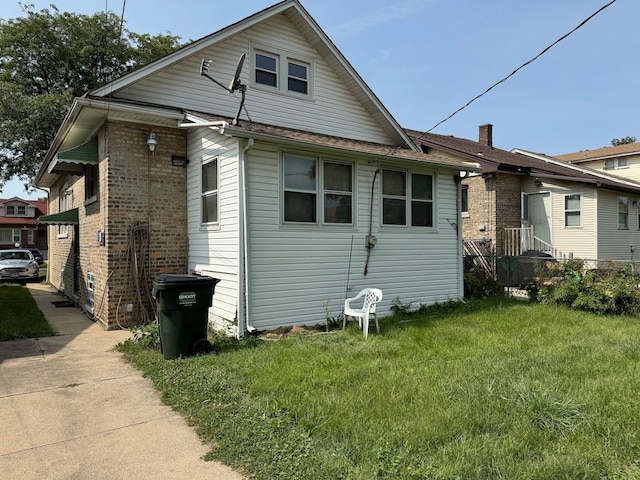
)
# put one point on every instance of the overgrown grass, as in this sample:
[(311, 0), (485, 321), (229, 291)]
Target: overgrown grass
[(485, 390), (19, 315)]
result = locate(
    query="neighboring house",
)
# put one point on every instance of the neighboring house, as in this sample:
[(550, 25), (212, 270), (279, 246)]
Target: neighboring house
[(18, 223), (621, 160), (313, 194), (524, 200)]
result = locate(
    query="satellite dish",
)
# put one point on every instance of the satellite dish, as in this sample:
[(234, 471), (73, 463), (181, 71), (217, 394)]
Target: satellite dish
[(234, 85)]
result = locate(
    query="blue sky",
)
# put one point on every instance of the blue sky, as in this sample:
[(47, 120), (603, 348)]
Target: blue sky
[(425, 59)]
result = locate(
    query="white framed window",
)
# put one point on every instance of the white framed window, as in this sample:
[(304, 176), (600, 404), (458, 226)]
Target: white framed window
[(464, 200), (30, 237), (573, 210), (616, 163), (298, 77), (65, 201), (317, 191), (266, 69), (524, 207), (210, 190), (16, 210), (17, 238), (407, 198), (282, 71), (623, 213)]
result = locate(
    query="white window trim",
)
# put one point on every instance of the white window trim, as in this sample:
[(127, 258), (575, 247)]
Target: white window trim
[(579, 210), (205, 160), (319, 192), (409, 199), (283, 57), (618, 213)]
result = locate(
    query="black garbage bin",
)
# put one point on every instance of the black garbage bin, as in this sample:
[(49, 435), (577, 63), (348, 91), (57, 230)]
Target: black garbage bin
[(183, 302)]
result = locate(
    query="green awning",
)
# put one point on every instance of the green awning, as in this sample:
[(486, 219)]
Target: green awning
[(70, 217), (71, 161)]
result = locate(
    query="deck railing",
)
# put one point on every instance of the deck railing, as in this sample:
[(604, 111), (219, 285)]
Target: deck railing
[(519, 240)]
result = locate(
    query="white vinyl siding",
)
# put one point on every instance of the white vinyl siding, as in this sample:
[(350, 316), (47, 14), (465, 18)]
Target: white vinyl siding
[(213, 248), (304, 267), (332, 109)]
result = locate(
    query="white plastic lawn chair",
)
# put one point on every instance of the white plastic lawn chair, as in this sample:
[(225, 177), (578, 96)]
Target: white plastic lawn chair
[(371, 297)]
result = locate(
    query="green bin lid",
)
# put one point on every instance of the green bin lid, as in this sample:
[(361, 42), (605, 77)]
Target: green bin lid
[(168, 280)]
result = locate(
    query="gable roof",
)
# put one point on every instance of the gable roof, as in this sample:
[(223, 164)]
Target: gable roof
[(303, 21), (521, 162), (601, 153)]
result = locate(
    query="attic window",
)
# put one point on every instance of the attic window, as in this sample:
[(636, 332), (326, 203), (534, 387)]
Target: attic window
[(282, 72), (266, 70)]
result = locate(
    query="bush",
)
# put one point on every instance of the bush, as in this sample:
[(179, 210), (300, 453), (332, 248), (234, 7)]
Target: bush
[(479, 286), (611, 290)]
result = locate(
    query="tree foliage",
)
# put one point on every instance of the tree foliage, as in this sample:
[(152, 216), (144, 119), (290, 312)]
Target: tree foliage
[(623, 141), (47, 58)]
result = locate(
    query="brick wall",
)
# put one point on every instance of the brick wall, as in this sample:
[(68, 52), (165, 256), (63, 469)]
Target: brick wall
[(494, 204), (142, 209)]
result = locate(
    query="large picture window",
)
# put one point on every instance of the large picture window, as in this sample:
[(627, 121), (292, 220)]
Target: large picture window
[(572, 210), (305, 203), (407, 199), (210, 191)]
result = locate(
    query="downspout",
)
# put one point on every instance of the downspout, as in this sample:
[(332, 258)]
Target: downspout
[(243, 281), (460, 253)]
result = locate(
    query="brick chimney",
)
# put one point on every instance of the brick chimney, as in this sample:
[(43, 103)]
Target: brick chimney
[(485, 136)]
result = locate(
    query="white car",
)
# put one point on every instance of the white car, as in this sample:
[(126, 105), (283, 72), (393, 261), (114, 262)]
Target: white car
[(18, 265)]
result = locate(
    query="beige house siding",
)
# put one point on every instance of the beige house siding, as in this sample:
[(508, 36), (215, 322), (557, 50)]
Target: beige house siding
[(615, 243), (631, 172)]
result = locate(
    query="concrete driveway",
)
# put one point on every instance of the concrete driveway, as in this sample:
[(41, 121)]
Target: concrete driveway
[(71, 408)]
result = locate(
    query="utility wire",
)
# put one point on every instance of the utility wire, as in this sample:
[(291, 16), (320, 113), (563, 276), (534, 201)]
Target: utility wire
[(520, 67)]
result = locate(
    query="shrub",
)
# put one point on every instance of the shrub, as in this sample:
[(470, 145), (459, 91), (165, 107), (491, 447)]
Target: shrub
[(480, 286), (609, 290)]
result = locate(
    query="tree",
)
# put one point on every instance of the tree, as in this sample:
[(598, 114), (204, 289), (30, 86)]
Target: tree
[(46, 59), (623, 141)]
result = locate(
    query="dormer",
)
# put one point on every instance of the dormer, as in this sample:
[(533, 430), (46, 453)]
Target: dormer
[(16, 207)]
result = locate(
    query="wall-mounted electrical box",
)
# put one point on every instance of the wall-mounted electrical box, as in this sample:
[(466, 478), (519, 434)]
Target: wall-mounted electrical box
[(100, 238), (370, 241)]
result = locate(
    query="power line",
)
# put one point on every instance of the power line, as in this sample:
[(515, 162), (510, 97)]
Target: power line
[(520, 67)]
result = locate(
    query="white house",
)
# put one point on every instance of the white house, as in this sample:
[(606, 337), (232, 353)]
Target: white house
[(297, 190)]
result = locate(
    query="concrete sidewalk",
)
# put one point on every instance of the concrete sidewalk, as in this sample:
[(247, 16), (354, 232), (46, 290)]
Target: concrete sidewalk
[(71, 408)]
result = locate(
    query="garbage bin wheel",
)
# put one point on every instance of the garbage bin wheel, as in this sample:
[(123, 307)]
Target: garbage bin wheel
[(201, 346)]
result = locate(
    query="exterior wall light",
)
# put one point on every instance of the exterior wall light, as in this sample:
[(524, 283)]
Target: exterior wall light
[(152, 141)]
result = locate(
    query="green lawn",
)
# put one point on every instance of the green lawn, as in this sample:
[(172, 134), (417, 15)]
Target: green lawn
[(487, 390), (19, 315)]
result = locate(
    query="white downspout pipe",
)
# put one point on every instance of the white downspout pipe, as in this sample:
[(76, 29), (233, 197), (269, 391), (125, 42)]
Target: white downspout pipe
[(244, 244)]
